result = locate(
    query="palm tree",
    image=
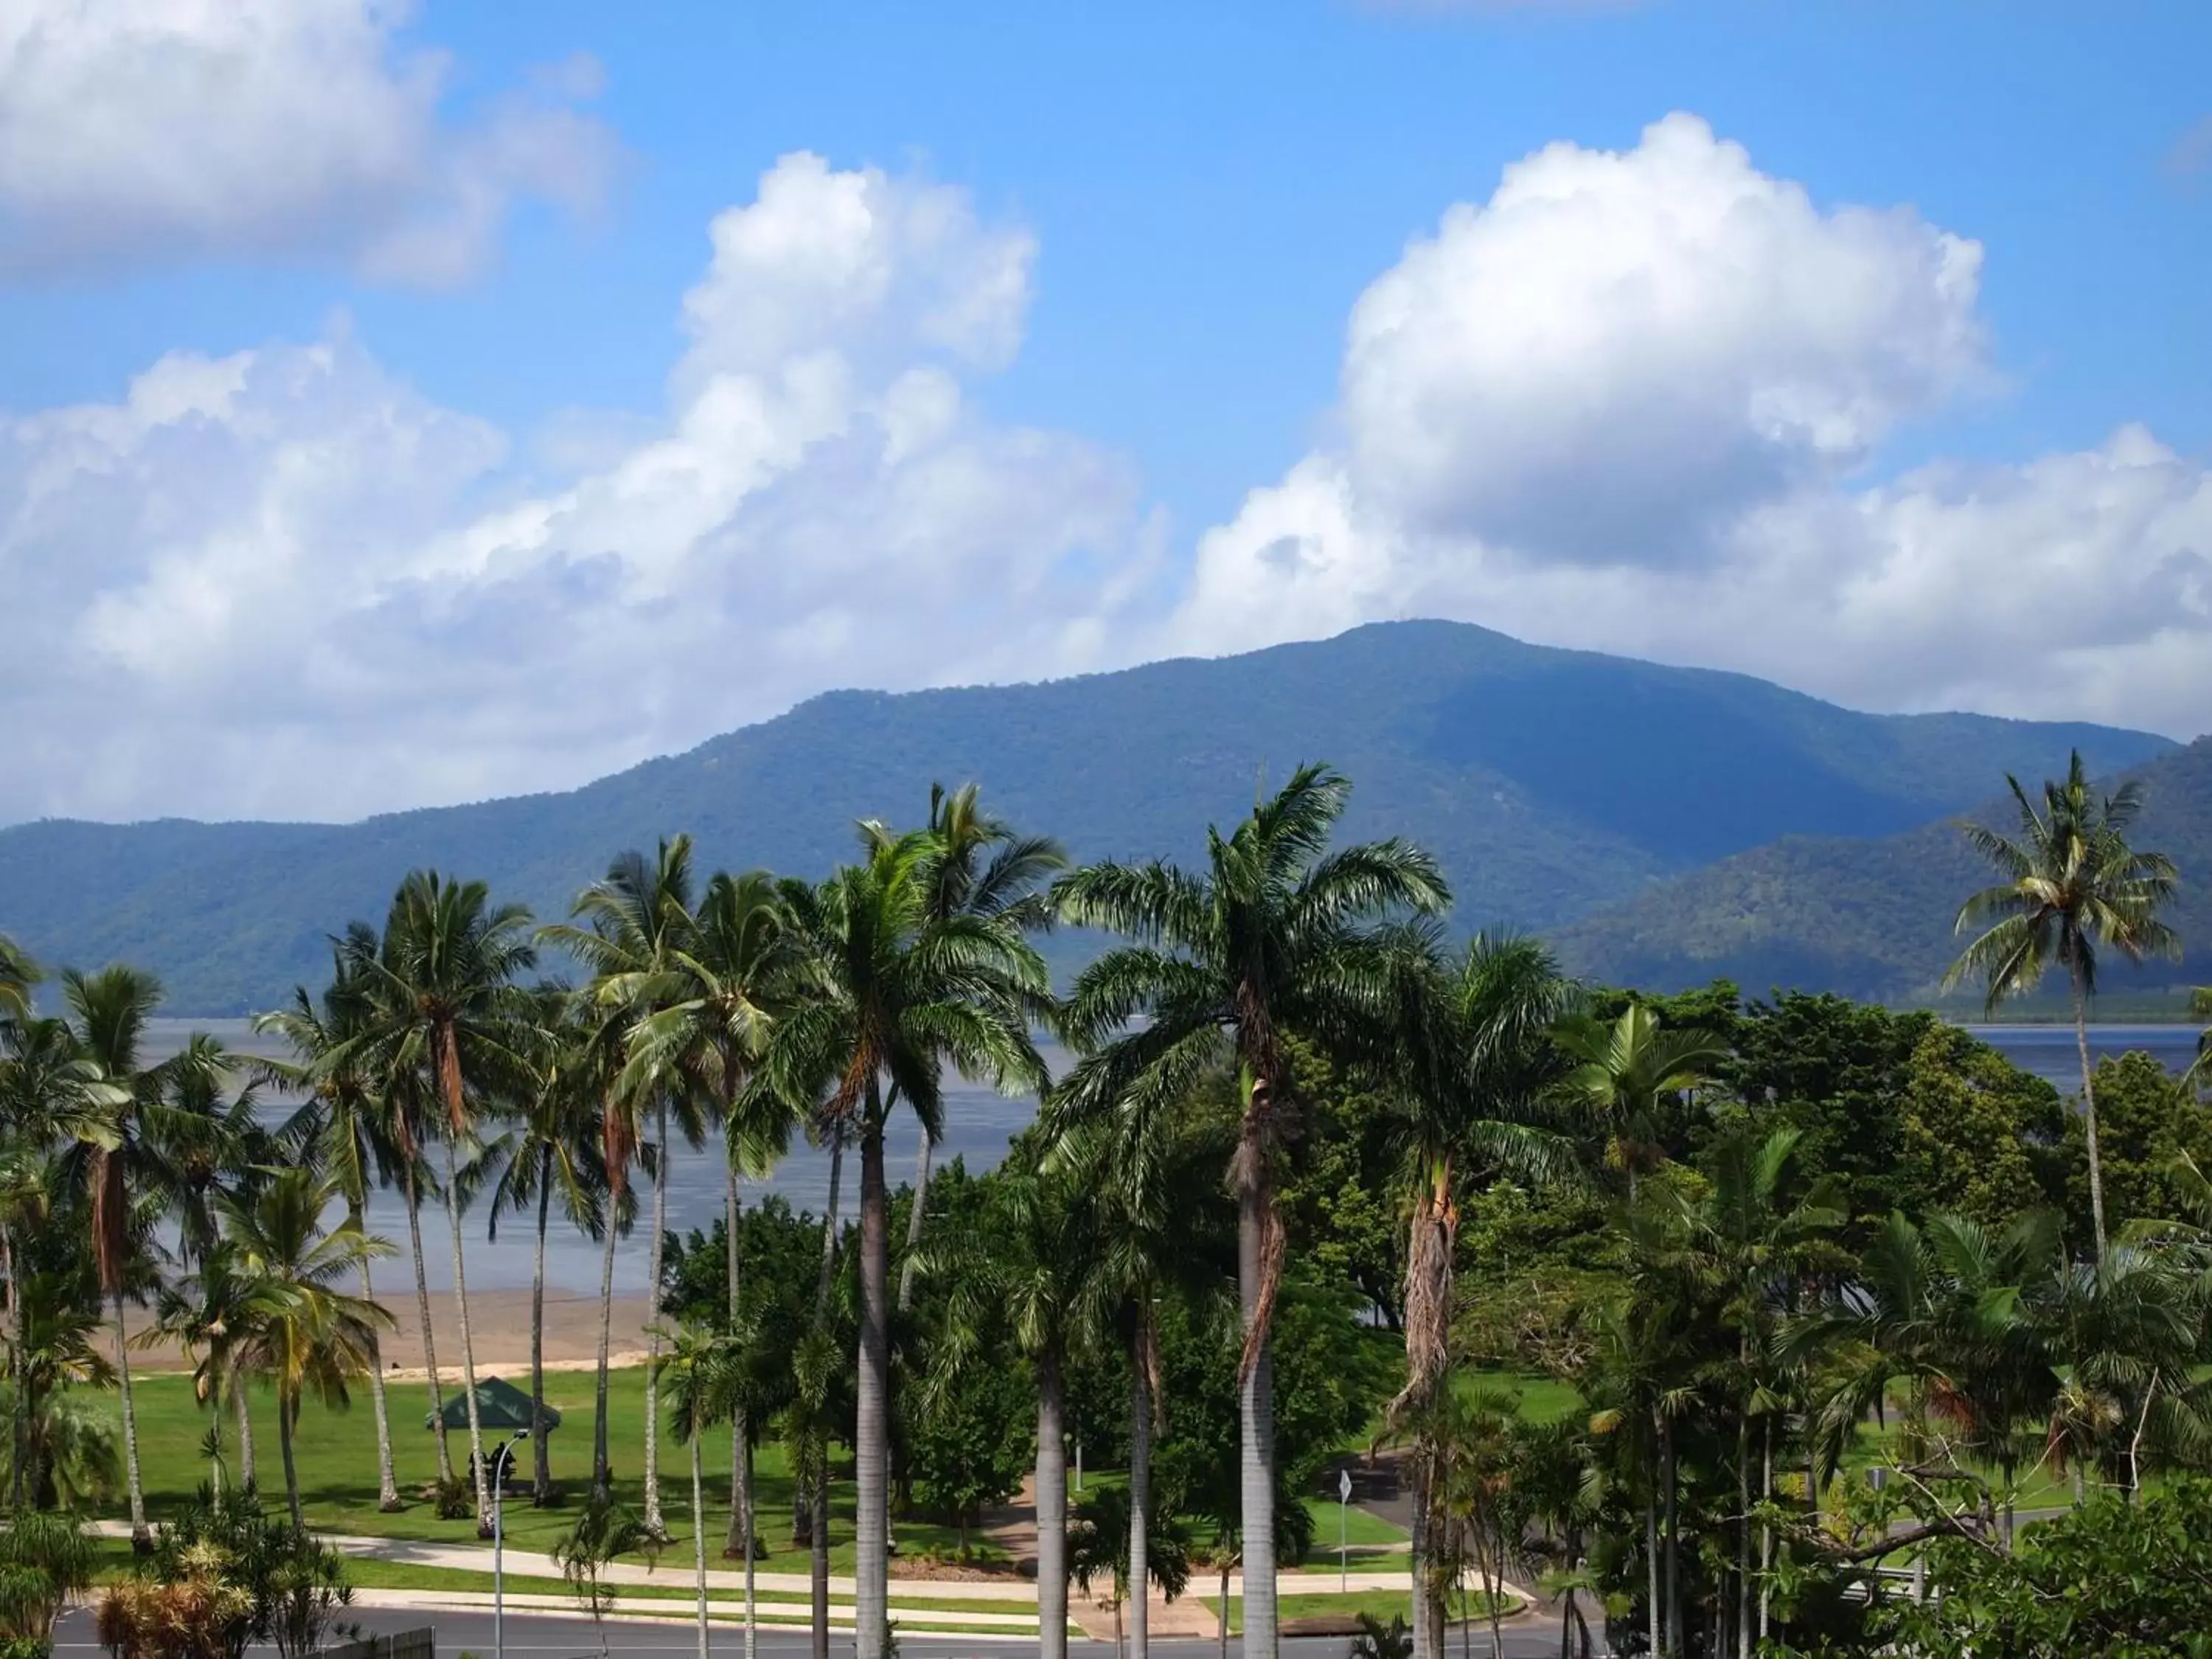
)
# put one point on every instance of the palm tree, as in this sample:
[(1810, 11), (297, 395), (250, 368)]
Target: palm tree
[(1628, 1072), (1098, 1547), (894, 993), (1277, 936), (349, 1133), (210, 1315), (639, 922), (18, 973), (311, 1336), (65, 1453), (1755, 1230), (2200, 1007), (551, 1149), (2068, 887), (807, 1420), (1472, 1081), (722, 995), (1005, 886), (702, 1385), (51, 1095), (448, 1009), (122, 1161)]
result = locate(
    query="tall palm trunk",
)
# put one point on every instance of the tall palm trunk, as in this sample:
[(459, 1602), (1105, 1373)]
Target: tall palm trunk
[(699, 1535), (214, 1424), (1429, 1590), (1255, 1408), (654, 1522), (1428, 1245), (388, 1479), (18, 1415), (1655, 1610), (1765, 1529), (422, 1313), (802, 1512), (752, 1629), (872, 1524), (1051, 1510), (1140, 1501), (740, 1495), (287, 1407), (600, 1479), (1743, 1532), (817, 1549), (541, 1475), (1673, 1536), (241, 1403), (468, 1350), (2088, 1105), (141, 1538), (914, 1221)]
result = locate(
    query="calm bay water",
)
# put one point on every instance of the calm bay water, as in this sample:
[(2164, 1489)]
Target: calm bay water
[(978, 1123)]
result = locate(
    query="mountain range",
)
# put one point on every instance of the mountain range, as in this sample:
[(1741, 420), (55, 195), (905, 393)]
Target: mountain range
[(1661, 823)]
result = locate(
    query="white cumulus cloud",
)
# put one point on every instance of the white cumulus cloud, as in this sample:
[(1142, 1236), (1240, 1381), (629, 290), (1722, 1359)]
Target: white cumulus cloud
[(1629, 403), (283, 582), (137, 130)]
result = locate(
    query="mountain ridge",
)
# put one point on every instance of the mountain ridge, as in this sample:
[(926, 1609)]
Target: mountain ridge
[(1550, 783)]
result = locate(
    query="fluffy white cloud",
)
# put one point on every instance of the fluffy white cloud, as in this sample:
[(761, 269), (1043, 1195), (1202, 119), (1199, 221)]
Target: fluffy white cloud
[(282, 582), (1627, 403), (138, 128)]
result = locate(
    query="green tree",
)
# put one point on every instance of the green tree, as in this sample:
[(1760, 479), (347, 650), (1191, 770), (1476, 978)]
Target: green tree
[(1278, 935), (349, 1130), (46, 1560), (701, 1370), (309, 1336), (2148, 1120), (894, 994), (1099, 1549), (447, 1008), (210, 1314), (2070, 887), (1977, 1135), (1628, 1072)]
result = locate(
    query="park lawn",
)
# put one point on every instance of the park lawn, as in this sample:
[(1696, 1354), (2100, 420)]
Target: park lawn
[(1361, 1527), (335, 1452), (1381, 1605)]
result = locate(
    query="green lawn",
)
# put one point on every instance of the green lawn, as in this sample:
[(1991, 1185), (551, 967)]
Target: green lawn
[(336, 1457)]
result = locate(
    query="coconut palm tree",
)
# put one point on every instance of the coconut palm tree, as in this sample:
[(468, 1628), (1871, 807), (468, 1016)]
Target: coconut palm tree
[(1098, 1547), (350, 1140), (1278, 935), (716, 1005), (2070, 887), (123, 1162), (1624, 1074), (1006, 884), (308, 1336), (18, 975), (66, 1454), (1471, 1083), (637, 922), (551, 1150), (448, 1011), (209, 1314), (702, 1375), (894, 994)]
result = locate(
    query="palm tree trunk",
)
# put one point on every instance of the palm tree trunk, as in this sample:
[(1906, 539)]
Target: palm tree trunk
[(1255, 1414), (600, 1479), (740, 1497), (1140, 1501), (422, 1313), (18, 1417), (802, 1513), (699, 1535), (388, 1479), (870, 1532), (2088, 1106), (817, 1550), (1428, 1594), (286, 1407), (654, 1522), (1655, 1612), (914, 1222), (752, 1631), (141, 1538), (1224, 1619), (1673, 1536), (468, 1350), (1743, 1534), (541, 1475), (1051, 1509), (1765, 1531), (215, 1426), (241, 1404)]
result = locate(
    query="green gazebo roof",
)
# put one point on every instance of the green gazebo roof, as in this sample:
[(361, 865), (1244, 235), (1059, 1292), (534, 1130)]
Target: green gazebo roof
[(500, 1405)]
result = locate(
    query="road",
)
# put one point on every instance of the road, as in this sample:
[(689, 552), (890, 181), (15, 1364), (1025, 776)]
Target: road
[(539, 1637)]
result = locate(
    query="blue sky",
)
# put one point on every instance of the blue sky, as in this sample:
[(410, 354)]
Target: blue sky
[(1202, 195)]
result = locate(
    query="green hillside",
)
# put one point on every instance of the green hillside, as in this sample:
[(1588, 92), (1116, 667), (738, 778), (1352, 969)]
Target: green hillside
[(1872, 918), (1549, 782)]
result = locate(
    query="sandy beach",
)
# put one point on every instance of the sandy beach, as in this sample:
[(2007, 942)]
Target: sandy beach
[(499, 1323)]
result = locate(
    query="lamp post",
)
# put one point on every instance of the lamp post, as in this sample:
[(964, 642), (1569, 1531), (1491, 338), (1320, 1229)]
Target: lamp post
[(502, 1460)]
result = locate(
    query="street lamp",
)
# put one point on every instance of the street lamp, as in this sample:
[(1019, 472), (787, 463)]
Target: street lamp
[(502, 1462)]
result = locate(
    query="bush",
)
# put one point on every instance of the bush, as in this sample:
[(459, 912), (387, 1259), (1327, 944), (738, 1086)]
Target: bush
[(456, 1499)]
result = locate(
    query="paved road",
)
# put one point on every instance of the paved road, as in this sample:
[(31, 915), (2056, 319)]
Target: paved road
[(542, 1638)]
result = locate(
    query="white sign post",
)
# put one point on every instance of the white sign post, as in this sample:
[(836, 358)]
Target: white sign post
[(1343, 1498)]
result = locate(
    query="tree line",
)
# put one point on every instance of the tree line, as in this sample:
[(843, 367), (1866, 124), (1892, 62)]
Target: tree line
[(1737, 1235)]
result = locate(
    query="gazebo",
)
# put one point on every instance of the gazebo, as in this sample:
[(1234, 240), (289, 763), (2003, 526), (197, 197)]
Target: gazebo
[(500, 1406)]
